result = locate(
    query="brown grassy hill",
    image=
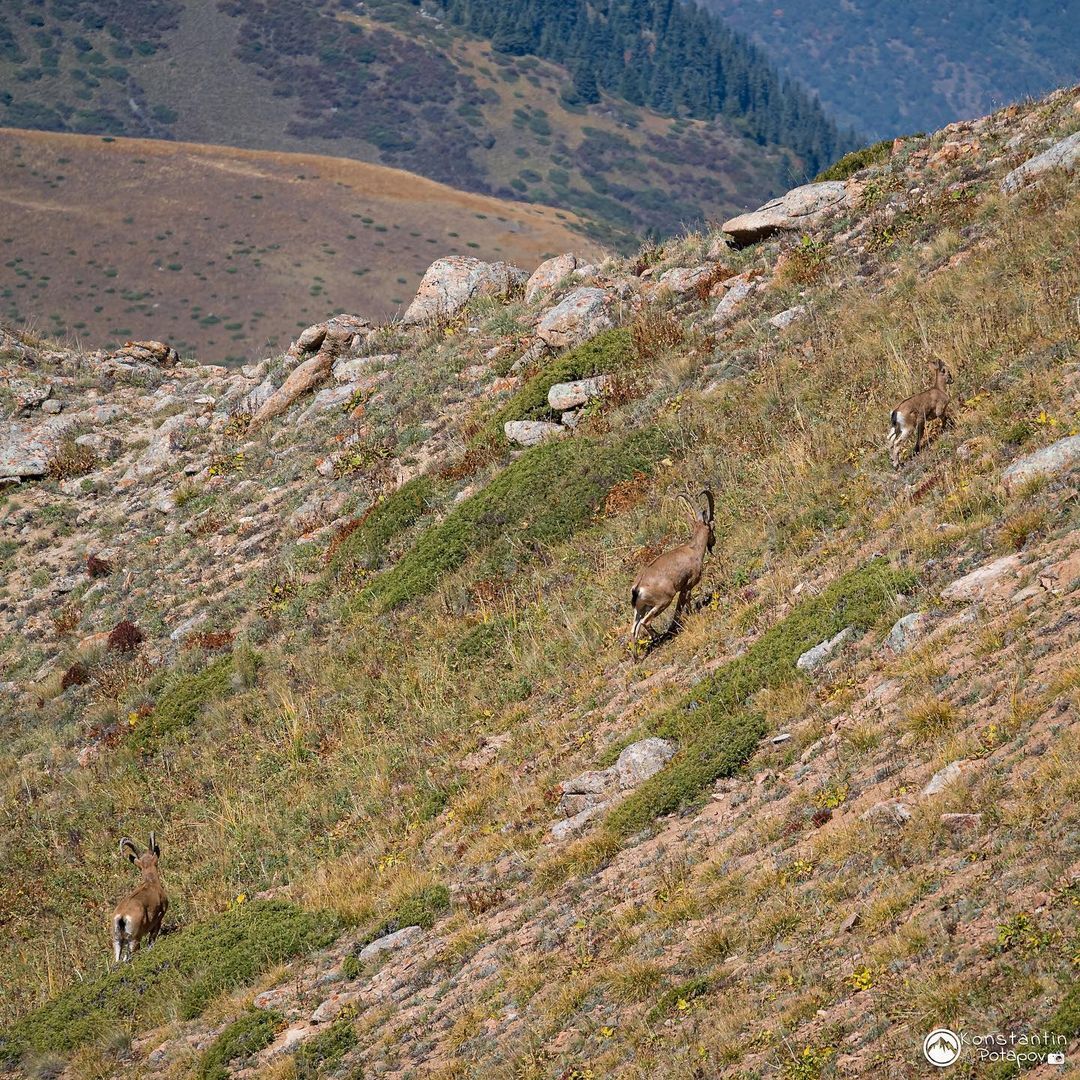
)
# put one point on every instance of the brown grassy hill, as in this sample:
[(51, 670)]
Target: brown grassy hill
[(227, 252)]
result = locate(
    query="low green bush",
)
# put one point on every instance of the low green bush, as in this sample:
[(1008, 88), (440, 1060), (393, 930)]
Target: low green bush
[(420, 908), (610, 351), (183, 698), (541, 499), (849, 164), (179, 976), (247, 1035), (320, 1056), (714, 724)]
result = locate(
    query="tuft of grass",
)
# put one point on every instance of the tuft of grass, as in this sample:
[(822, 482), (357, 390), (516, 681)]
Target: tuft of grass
[(320, 1056), (69, 461), (849, 164), (251, 1032), (180, 976), (609, 352), (541, 499), (184, 698), (419, 908)]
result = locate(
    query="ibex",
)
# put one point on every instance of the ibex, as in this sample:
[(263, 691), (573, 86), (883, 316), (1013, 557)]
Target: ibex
[(675, 572), (912, 414), (139, 915)]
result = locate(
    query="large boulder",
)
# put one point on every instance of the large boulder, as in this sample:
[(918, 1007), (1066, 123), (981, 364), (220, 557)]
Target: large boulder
[(988, 581), (1063, 155), (339, 334), (548, 274), (580, 315), (682, 279), (25, 449), (531, 432), (1053, 460), (450, 283), (801, 208), (301, 379), (156, 353)]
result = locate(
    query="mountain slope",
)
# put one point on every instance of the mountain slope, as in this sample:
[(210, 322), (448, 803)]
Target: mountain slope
[(381, 712), (229, 252), (392, 83), (889, 69)]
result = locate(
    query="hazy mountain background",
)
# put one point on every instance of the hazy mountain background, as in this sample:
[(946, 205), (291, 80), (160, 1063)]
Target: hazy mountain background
[(888, 69)]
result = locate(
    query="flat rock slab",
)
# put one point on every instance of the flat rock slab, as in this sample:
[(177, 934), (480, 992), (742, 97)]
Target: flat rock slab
[(1054, 460), (401, 939), (572, 395), (985, 582), (815, 657), (580, 315), (801, 208), (25, 449), (531, 432), (1063, 155)]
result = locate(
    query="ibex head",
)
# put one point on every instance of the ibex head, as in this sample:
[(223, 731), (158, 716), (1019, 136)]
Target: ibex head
[(700, 518), (147, 860)]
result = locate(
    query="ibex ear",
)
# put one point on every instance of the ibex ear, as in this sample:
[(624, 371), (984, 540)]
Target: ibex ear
[(154, 845)]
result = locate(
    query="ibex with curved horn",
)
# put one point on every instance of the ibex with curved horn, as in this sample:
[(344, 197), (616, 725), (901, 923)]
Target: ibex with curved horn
[(139, 915), (675, 572)]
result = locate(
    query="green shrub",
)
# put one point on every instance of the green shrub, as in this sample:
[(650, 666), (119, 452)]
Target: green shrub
[(321, 1055), (420, 908), (717, 729), (247, 1035), (179, 976), (609, 351), (851, 163), (541, 499), (368, 544), (184, 698)]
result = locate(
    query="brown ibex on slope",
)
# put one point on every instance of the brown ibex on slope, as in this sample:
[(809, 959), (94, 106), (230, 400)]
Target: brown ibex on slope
[(675, 572), (912, 414), (139, 915)]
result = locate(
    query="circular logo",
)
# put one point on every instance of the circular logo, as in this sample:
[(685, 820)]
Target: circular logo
[(941, 1047)]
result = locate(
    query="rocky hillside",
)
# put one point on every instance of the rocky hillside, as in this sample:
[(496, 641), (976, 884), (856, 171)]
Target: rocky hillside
[(445, 91), (347, 628)]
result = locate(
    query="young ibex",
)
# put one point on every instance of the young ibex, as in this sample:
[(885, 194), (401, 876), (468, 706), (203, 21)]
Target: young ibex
[(912, 414), (139, 915), (675, 572)]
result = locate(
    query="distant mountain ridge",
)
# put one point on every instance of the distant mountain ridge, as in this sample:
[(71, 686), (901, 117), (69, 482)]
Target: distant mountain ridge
[(486, 96), (889, 69)]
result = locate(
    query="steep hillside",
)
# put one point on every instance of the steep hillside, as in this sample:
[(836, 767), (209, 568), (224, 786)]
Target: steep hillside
[(397, 84), (361, 661), (229, 252), (889, 69)]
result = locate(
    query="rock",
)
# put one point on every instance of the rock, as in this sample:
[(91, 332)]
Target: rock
[(51, 406), (815, 657), (333, 397), (595, 782), (739, 288), (785, 318), (156, 353), (571, 395), (107, 447), (961, 823), (450, 283), (26, 395), (350, 370), (643, 759), (188, 625), (984, 582), (944, 777), (681, 279), (905, 632), (25, 449), (580, 315), (1053, 460), (779, 740), (548, 274), (1062, 155), (303, 378), (531, 432), (889, 812), (801, 208), (563, 830), (253, 401), (167, 440), (337, 334), (402, 939)]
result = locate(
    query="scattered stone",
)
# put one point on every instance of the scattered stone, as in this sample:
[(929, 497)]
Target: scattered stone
[(985, 582), (548, 274), (1053, 460), (580, 315), (739, 288), (450, 283), (1062, 155), (784, 319), (799, 209), (946, 776), (531, 432), (905, 632), (302, 379), (961, 823), (25, 449), (682, 279), (641, 760), (889, 812), (815, 657), (156, 353), (401, 939), (51, 406), (572, 395)]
